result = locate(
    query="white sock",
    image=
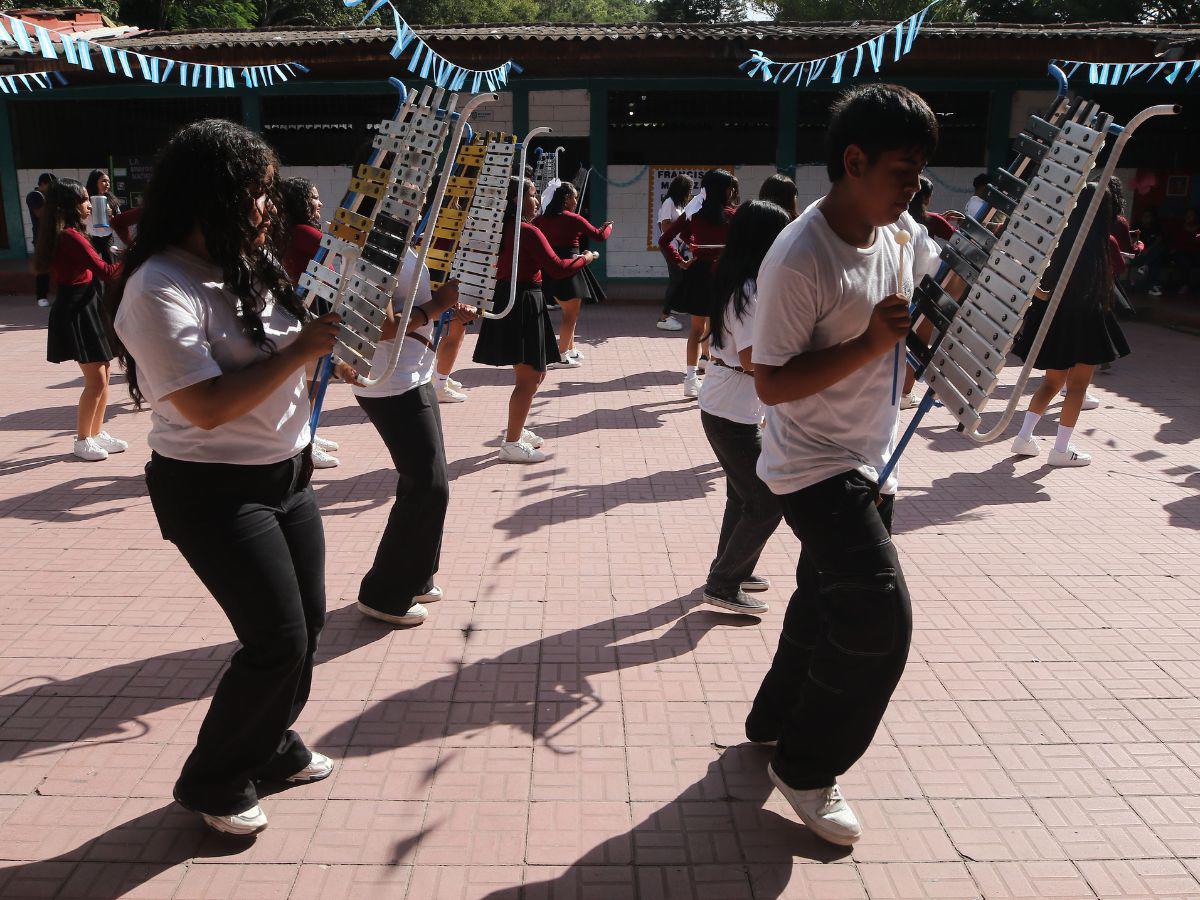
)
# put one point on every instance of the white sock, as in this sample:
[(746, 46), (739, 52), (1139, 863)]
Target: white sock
[(1030, 423), (691, 371), (1063, 440), (441, 379)]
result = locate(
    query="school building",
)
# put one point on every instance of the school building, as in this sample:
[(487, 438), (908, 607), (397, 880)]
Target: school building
[(630, 101)]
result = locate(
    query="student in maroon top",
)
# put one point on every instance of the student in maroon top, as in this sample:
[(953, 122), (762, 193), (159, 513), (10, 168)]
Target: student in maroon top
[(524, 337), (77, 329), (705, 233), (563, 228), (301, 222)]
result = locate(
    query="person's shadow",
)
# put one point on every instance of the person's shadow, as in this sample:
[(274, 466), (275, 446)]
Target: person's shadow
[(759, 859)]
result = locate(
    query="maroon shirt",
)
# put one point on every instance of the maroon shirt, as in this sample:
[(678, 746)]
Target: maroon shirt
[(536, 257), (695, 231), (123, 223), (939, 226), (564, 230), (77, 262), (303, 244)]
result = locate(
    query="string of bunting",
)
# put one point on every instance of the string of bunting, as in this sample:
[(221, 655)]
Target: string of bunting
[(1115, 74), (871, 51), (31, 38), (429, 65), (30, 81)]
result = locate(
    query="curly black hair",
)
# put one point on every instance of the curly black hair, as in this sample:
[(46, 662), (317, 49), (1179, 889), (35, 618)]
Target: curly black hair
[(209, 176), (558, 201), (298, 208)]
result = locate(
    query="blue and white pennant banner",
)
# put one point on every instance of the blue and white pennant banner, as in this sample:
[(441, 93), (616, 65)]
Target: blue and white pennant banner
[(1116, 74), (836, 67), (30, 81), (431, 66), (31, 38)]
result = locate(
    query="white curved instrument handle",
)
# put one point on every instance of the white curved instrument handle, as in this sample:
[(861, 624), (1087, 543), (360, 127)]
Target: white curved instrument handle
[(1069, 266), (436, 204), (516, 250)]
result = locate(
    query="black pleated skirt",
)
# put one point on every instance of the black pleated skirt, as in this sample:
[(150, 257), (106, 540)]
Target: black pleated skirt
[(581, 285), (523, 337), (694, 292), (1082, 333), (76, 330)]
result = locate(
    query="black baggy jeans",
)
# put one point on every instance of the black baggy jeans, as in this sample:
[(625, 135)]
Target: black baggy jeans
[(410, 549), (253, 536), (845, 634), (752, 512)]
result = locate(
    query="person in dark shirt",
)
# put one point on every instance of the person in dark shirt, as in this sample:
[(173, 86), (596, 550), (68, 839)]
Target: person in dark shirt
[(35, 200)]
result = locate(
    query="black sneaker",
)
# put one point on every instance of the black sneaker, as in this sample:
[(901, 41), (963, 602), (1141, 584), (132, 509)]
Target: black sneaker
[(738, 602), (756, 583)]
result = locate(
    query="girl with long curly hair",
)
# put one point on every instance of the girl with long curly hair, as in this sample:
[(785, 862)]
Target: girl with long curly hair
[(214, 338), (76, 330)]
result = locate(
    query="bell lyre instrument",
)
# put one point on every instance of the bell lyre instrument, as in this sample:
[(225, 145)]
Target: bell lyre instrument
[(993, 265), (373, 229)]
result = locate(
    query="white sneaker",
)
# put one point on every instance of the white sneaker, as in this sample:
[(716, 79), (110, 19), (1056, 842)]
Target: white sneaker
[(691, 385), (1026, 446), (447, 394), (110, 443), (531, 439), (415, 616), (908, 401), (520, 452), (670, 323), (89, 449), (323, 460), (325, 444), (318, 768), (1155, 291), (575, 354), (701, 365), (43, 302), (250, 821), (1089, 401), (435, 594), (824, 810), (456, 385), (567, 362), (1069, 458)]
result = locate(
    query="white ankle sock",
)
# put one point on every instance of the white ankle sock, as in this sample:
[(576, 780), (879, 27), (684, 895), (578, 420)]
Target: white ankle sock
[(441, 379), (1063, 440), (1030, 423), (691, 371)]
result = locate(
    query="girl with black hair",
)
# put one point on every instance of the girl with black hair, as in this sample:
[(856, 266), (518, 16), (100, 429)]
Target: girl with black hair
[(300, 230), (679, 192), (1083, 334), (731, 411), (705, 233), (524, 339), (781, 190), (563, 228), (216, 341), (101, 236), (76, 329)]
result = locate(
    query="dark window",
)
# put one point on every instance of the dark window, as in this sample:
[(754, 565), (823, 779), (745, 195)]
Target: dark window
[(77, 134), (962, 126), (714, 127), (1164, 143), (324, 131)]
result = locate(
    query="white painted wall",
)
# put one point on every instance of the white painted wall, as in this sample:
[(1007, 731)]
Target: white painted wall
[(567, 112)]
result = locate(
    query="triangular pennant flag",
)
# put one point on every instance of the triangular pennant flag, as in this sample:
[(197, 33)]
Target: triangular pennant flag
[(899, 41), (858, 61), (876, 47), (68, 45), (45, 42), (21, 35), (123, 56), (107, 55), (836, 78), (170, 64)]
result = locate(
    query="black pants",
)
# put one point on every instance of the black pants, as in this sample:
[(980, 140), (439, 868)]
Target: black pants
[(752, 512), (674, 279), (845, 634), (253, 535), (42, 285), (410, 549)]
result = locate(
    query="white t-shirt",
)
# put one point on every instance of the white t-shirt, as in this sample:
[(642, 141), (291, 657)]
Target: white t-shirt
[(975, 205), (729, 393), (181, 327), (669, 211), (415, 365), (816, 291)]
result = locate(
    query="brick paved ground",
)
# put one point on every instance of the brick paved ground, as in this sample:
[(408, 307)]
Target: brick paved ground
[(569, 719)]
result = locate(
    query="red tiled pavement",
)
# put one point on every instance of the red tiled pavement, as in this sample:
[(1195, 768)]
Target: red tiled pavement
[(568, 722)]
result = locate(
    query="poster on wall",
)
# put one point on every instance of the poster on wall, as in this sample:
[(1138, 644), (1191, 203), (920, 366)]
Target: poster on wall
[(660, 180), (130, 175)]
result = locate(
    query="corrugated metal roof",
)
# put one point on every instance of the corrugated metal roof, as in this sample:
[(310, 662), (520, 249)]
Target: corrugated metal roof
[(643, 31)]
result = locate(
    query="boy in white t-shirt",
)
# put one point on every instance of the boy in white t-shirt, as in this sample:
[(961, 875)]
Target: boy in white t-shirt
[(832, 310)]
